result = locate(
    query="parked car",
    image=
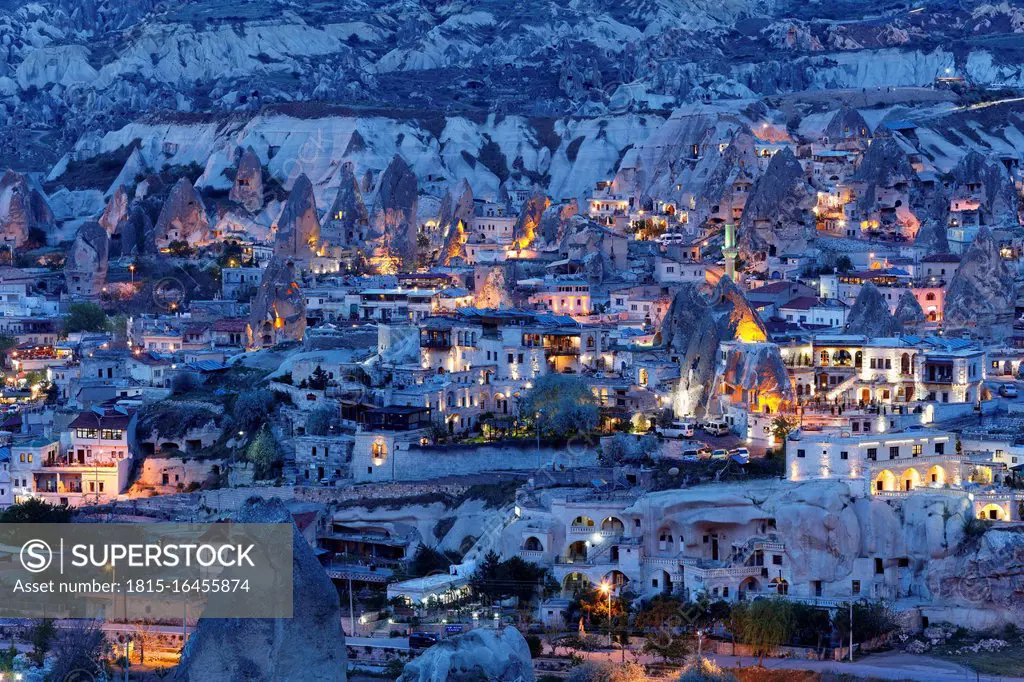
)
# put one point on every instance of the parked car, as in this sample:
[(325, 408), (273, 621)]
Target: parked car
[(720, 453), (422, 640), (716, 428), (1008, 391), (683, 429), (742, 452)]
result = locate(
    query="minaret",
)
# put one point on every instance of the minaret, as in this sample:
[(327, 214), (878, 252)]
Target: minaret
[(729, 251)]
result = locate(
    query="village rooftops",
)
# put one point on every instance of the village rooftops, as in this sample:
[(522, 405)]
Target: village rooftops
[(808, 302), (941, 258), (103, 418)]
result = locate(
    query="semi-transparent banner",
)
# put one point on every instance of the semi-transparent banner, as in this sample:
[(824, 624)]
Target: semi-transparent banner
[(147, 571)]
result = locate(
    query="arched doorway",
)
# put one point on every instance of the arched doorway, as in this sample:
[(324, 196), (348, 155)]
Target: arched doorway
[(664, 582), (575, 583), (911, 479), (780, 585), (992, 512), (581, 523), (885, 481), (612, 526), (577, 553), (533, 544), (748, 585), (937, 476), (617, 579), (666, 541)]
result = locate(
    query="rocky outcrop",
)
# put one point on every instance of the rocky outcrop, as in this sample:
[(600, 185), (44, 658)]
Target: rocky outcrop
[(489, 287), (847, 124), (298, 227), (525, 230), (555, 221), (981, 295), (760, 375), (394, 215), (183, 218), (870, 314), (309, 647), (777, 217), (453, 221), (247, 189), (909, 315), (695, 326), (481, 654), (982, 180), (116, 211), (23, 210), (347, 220), (85, 269), (278, 309), (135, 234), (932, 237)]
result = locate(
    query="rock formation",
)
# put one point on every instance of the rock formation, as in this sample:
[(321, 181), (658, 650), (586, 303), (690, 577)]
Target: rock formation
[(278, 309), (847, 124), (777, 217), (309, 647), (981, 179), (982, 293), (453, 221), (481, 654), (298, 227), (394, 215), (116, 211), (555, 222), (886, 172), (695, 326), (870, 314), (135, 234), (248, 187), (22, 210), (489, 287), (524, 231), (932, 238), (183, 218), (909, 315), (85, 269), (758, 376), (347, 220)]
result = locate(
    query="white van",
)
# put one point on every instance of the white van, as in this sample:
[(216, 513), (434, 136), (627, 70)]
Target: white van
[(715, 428), (684, 429)]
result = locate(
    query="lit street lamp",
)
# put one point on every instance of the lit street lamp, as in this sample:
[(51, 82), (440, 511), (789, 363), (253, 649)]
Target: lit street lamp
[(606, 588)]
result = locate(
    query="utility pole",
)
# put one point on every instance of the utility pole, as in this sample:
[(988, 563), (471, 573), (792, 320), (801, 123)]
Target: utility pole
[(851, 631), (351, 610)]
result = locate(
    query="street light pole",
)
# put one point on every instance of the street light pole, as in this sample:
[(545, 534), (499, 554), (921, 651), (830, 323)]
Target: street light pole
[(851, 631)]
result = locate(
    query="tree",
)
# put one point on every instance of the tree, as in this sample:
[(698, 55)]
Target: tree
[(79, 646), (810, 625), (34, 510), (7, 343), (180, 248), (318, 379), (321, 422), (844, 264), (253, 407), (764, 624), (185, 382), (781, 428), (560, 405), (40, 635), (870, 620), (429, 561), (85, 317), (514, 577), (705, 670), (263, 453), (605, 671), (536, 645), (667, 645)]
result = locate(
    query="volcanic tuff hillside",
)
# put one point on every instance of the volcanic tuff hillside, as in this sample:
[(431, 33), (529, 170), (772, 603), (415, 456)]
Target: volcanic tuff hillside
[(67, 66)]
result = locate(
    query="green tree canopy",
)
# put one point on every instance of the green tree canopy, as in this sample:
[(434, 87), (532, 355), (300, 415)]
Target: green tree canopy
[(561, 405), (321, 421), (85, 317), (264, 453), (34, 510), (513, 577), (253, 407), (764, 624)]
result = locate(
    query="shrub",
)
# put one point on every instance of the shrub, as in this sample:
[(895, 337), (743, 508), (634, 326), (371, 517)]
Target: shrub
[(185, 382), (536, 645)]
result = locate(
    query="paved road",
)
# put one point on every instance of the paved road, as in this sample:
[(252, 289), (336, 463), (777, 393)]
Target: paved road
[(401, 643)]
